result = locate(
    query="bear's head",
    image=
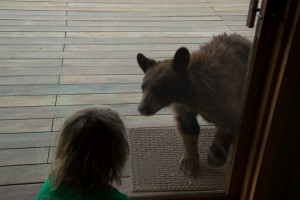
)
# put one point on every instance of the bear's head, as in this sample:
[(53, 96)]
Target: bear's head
[(165, 82)]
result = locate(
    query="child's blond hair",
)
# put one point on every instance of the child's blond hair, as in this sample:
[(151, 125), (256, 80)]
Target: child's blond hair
[(92, 150)]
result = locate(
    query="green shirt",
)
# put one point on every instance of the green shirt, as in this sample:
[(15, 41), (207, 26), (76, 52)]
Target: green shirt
[(65, 193)]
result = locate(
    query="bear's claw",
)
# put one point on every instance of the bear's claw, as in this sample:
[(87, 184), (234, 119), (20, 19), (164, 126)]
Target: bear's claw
[(190, 167)]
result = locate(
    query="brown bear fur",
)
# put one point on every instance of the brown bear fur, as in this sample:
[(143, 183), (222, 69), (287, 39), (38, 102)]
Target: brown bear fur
[(208, 82)]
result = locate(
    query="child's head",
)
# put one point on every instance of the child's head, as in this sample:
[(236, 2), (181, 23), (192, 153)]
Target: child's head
[(92, 150)]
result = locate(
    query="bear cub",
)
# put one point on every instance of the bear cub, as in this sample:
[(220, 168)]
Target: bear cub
[(208, 82)]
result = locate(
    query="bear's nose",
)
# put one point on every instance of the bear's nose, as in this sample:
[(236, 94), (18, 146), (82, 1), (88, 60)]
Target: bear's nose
[(144, 110), (140, 108)]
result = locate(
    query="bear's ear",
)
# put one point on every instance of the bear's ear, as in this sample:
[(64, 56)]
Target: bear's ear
[(144, 62), (181, 60)]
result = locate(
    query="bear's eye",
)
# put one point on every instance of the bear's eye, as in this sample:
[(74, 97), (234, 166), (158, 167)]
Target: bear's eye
[(159, 88)]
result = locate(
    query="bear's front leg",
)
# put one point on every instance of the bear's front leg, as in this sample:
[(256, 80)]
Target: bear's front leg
[(188, 130)]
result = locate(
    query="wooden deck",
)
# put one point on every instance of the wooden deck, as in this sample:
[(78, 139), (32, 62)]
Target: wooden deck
[(60, 55)]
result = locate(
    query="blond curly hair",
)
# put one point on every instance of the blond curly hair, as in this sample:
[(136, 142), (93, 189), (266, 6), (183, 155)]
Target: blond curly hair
[(91, 152)]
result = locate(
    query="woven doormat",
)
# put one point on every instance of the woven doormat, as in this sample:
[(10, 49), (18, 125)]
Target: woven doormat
[(154, 162)]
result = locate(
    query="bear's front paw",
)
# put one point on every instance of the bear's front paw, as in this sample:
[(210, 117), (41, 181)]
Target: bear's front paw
[(190, 166), (217, 155)]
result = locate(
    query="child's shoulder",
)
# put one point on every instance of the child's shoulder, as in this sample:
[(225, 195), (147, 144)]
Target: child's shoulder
[(112, 194), (63, 192)]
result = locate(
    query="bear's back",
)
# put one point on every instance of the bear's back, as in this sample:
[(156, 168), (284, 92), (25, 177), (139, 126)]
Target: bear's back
[(217, 71)]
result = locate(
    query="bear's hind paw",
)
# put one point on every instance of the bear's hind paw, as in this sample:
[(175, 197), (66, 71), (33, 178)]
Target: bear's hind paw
[(217, 156)]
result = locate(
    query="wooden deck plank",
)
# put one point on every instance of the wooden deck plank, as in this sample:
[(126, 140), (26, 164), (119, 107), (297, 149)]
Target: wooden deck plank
[(33, 8), (84, 55), (32, 12), (24, 192), (35, 41), (32, 55), (91, 33), (94, 3), (121, 69), (28, 112), (28, 90), (79, 55), (206, 32), (52, 152), (23, 156), (69, 89), (65, 108), (25, 4), (139, 5), (23, 22), (202, 24), (137, 47), (29, 71), (24, 174), (10, 101), (7, 48), (71, 70), (123, 63), (30, 62), (238, 27), (135, 1), (116, 29), (235, 17), (102, 70), (39, 19), (62, 15), (88, 41), (240, 23), (122, 109), (86, 79), (100, 8), (31, 34), (108, 54), (28, 140), (29, 80), (178, 13), (237, 5), (117, 98), (25, 125), (226, 9)]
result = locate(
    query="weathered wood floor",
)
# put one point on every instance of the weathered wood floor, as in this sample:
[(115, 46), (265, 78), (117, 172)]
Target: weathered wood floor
[(60, 55)]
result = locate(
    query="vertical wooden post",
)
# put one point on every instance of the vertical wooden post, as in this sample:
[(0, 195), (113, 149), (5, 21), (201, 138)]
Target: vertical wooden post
[(252, 13)]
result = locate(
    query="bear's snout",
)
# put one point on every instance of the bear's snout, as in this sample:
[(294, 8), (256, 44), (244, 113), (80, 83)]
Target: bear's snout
[(144, 110), (149, 105), (145, 105), (140, 108)]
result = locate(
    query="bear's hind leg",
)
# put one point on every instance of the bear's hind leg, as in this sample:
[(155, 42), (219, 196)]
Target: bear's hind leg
[(188, 130), (220, 147)]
